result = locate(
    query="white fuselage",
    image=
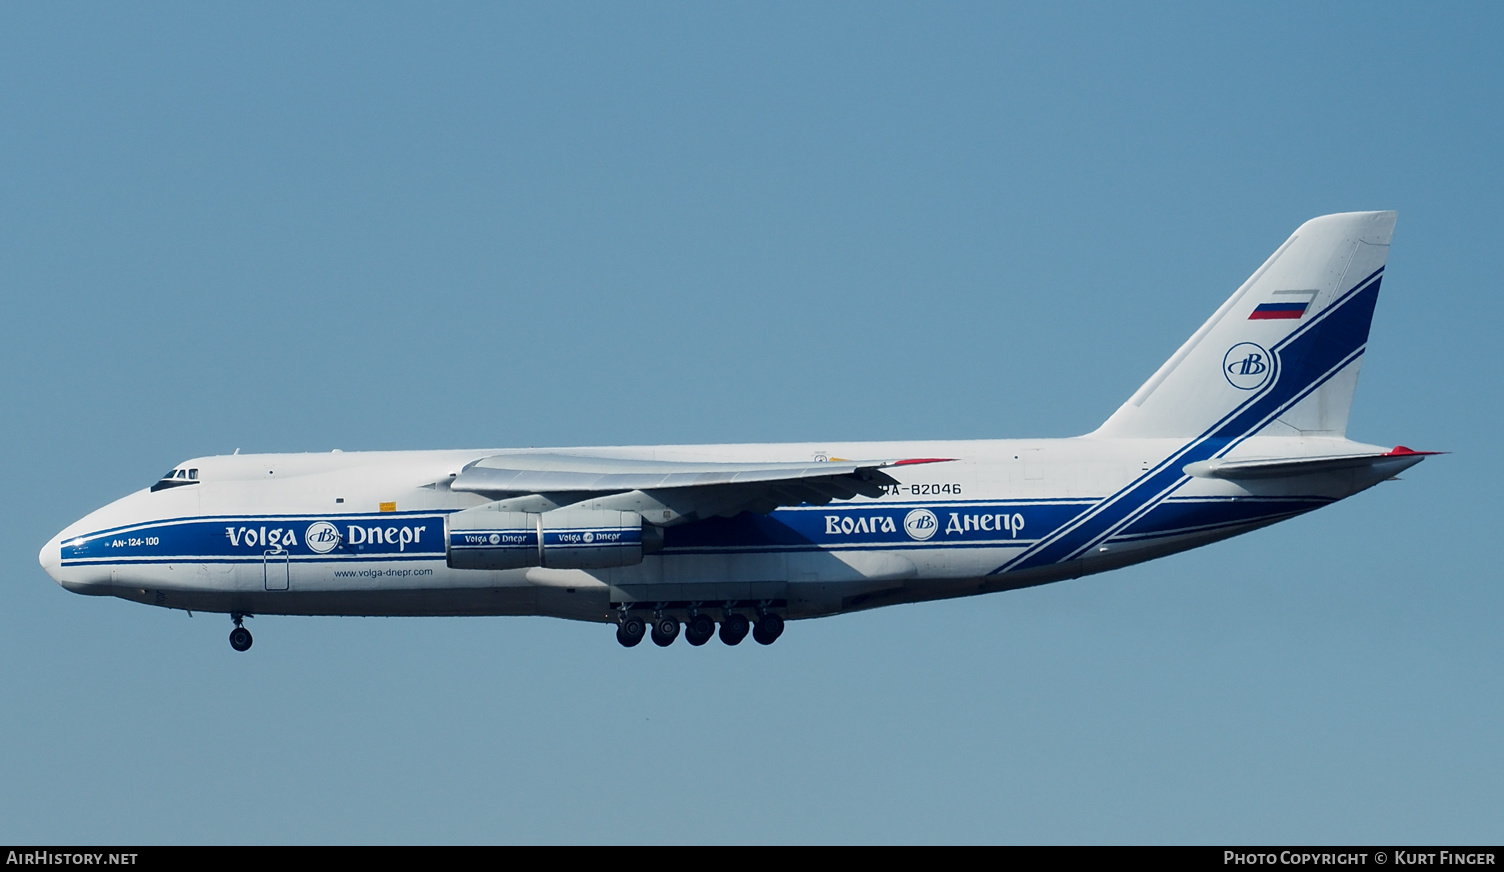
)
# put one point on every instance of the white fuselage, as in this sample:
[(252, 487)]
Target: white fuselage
[(256, 534), (1244, 425)]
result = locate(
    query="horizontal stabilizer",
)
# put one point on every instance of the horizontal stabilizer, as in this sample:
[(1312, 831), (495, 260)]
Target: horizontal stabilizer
[(1401, 458)]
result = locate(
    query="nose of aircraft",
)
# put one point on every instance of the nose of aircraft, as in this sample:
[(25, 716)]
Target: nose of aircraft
[(91, 580), (69, 560), (51, 558)]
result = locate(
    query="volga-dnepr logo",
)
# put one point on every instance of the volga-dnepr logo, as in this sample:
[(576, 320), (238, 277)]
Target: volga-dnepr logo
[(920, 524), (1247, 366), (321, 537)]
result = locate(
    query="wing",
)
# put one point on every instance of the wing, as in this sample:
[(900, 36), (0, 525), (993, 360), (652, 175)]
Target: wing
[(670, 491)]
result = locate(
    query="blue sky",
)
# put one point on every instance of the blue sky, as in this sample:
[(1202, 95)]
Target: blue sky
[(284, 227)]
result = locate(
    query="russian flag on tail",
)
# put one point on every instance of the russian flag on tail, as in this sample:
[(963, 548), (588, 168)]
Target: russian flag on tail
[(1277, 311), (1291, 307)]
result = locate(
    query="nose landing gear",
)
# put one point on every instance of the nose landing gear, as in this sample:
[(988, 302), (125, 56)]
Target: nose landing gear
[(240, 637)]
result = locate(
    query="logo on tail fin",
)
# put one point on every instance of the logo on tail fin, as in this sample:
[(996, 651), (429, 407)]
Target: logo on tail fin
[(1246, 366)]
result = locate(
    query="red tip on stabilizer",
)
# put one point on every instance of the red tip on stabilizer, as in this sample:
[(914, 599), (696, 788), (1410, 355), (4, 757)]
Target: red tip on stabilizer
[(923, 460), (1402, 451)]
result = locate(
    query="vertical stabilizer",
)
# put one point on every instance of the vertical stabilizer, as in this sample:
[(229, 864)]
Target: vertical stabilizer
[(1287, 344)]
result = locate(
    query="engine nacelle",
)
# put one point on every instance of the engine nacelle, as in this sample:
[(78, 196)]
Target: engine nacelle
[(566, 538)]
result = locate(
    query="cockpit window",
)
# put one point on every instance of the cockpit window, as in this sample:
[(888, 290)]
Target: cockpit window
[(176, 477)]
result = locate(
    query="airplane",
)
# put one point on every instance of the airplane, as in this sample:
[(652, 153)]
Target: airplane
[(1244, 426)]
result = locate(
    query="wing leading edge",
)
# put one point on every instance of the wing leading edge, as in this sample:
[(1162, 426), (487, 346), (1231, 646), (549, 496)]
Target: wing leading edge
[(687, 490)]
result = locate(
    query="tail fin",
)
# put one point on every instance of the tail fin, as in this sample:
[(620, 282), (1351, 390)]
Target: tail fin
[(1281, 356)]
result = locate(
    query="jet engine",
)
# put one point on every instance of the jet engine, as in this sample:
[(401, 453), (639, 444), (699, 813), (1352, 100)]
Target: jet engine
[(564, 538)]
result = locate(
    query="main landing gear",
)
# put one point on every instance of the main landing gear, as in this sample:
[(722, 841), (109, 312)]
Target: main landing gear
[(769, 628), (240, 637), (665, 631), (699, 630), (699, 627), (735, 628), (630, 630)]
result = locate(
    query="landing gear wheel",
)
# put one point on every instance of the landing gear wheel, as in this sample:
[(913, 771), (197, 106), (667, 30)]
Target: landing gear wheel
[(699, 630), (665, 631), (240, 639), (630, 632), (734, 629), (769, 628)]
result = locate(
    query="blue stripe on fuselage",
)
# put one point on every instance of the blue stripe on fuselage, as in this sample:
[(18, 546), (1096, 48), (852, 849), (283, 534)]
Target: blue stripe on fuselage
[(231, 538)]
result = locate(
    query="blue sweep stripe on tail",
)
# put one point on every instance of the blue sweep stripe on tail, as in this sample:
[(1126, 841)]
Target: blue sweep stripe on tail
[(1304, 361)]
